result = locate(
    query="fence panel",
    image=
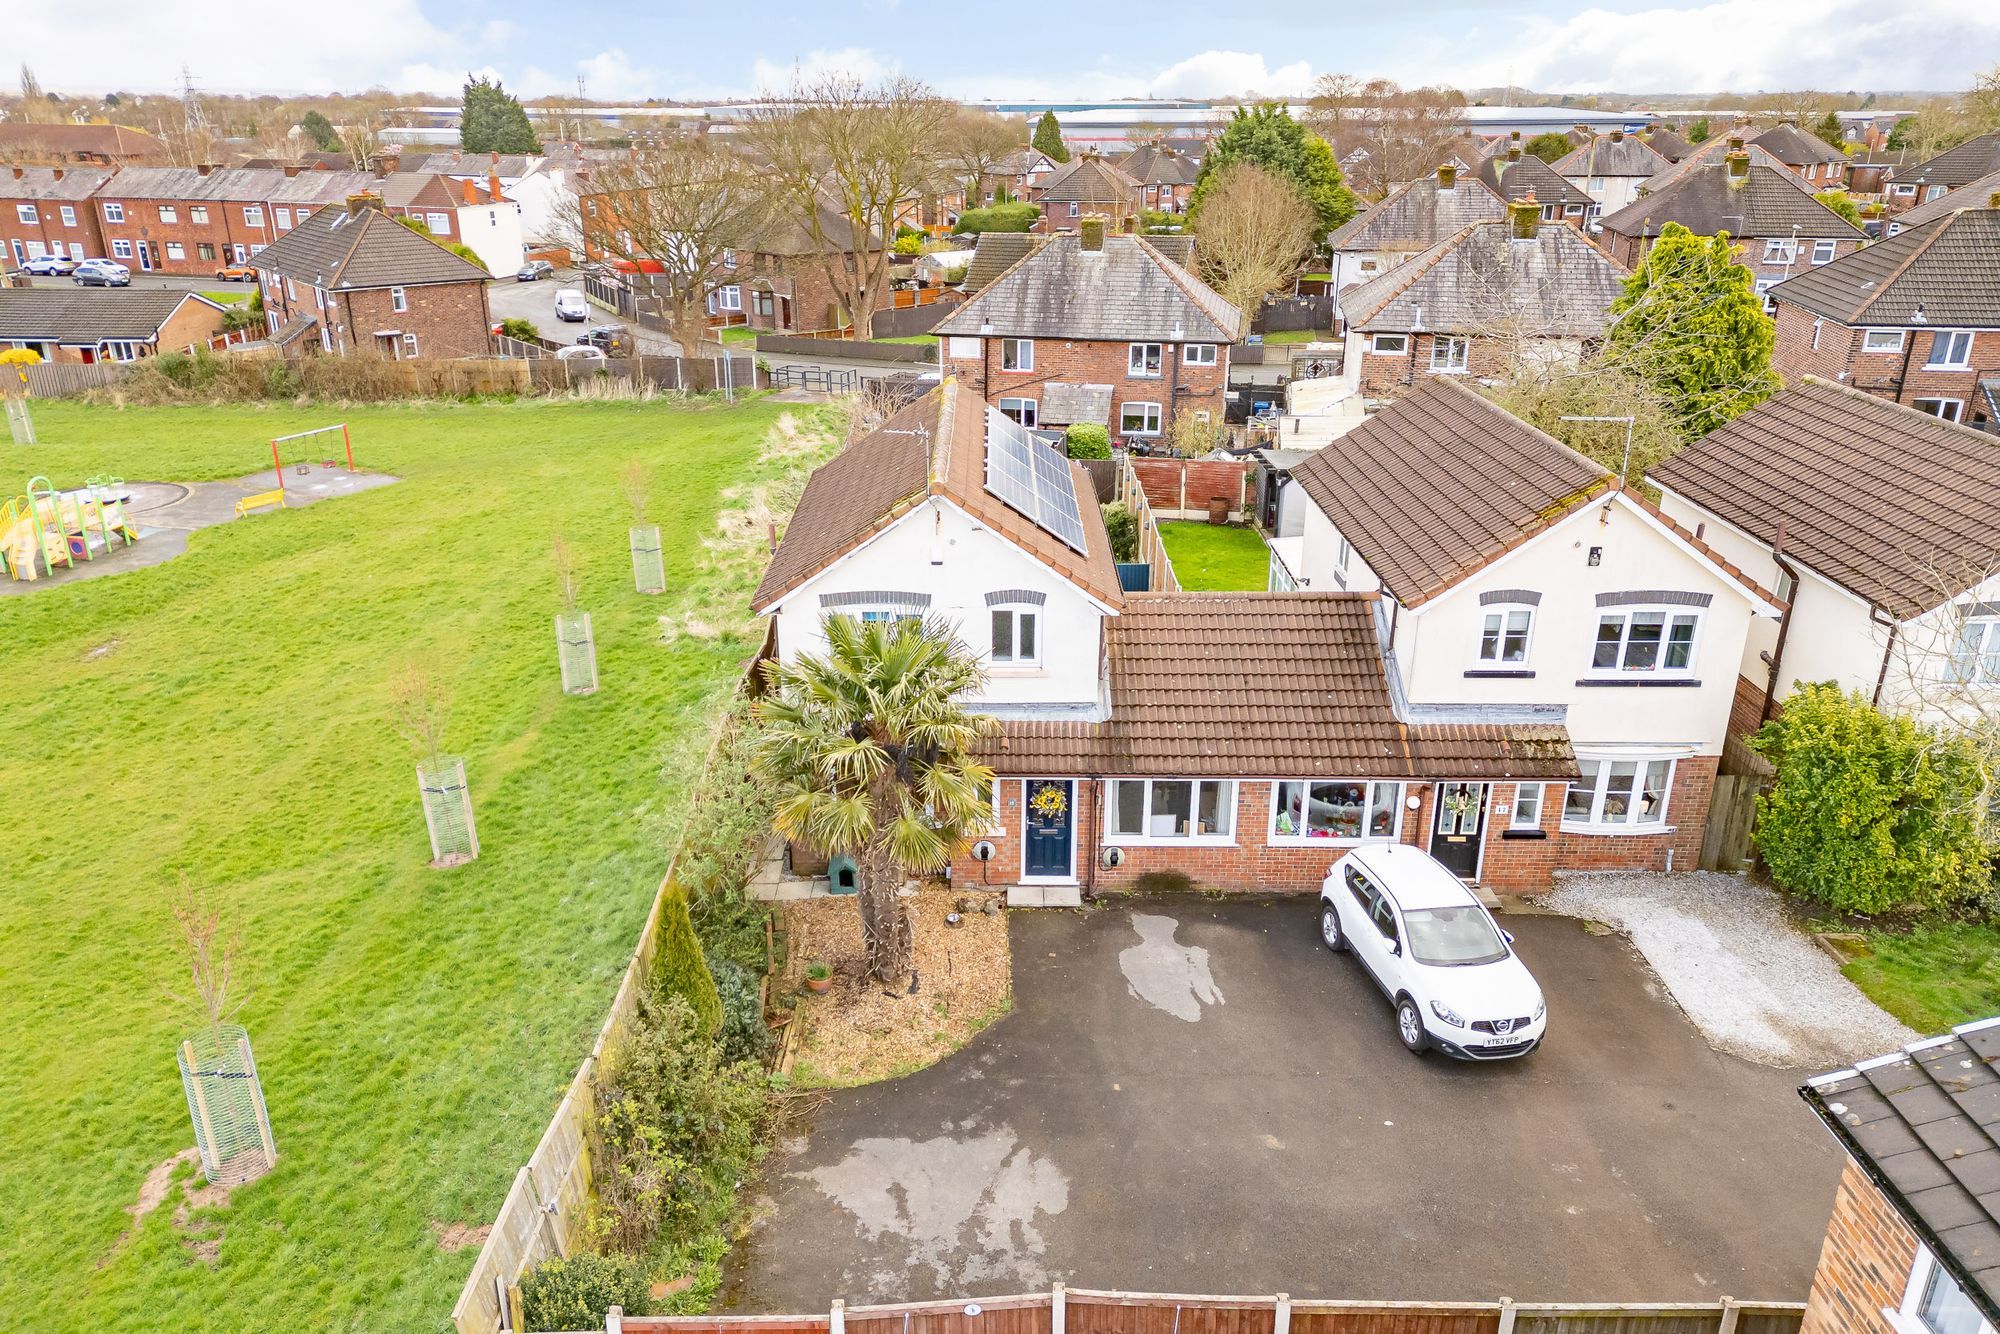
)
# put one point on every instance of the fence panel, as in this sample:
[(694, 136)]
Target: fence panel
[(1732, 814), (57, 379), (997, 1315), (1359, 1318), (1280, 314)]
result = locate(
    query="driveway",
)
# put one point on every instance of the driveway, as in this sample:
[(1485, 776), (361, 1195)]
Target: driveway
[(536, 303), (1193, 1096)]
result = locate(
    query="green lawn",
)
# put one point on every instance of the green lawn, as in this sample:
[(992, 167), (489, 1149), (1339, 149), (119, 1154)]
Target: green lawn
[(1934, 976), (226, 713), (230, 297), (1300, 336), (739, 333), (1213, 558), (910, 338)]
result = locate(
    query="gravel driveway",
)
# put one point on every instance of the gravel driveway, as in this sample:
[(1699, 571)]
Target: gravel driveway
[(1754, 984)]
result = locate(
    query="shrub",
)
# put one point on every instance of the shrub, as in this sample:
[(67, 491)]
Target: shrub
[(1869, 812), (743, 1036), (519, 328), (576, 1293), (679, 969), (913, 244), (1123, 528), (1087, 440), (730, 813), (997, 218), (281, 380)]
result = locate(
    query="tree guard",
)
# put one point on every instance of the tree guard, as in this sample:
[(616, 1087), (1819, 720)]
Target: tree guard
[(226, 1101), (448, 812), (577, 652), (649, 567), (20, 422)]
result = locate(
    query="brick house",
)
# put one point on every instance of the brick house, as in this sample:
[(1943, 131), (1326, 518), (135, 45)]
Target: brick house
[(1912, 1244), (776, 282), (1811, 158), (473, 213), (1950, 170), (1612, 169), (1779, 228), (351, 280), (195, 220), (1984, 192), (1086, 309), (1914, 318), (89, 325), (1089, 186), (48, 211), (1166, 179), (1516, 176), (1496, 295), (1410, 220)]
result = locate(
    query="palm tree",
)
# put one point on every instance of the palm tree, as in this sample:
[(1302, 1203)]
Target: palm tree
[(871, 753)]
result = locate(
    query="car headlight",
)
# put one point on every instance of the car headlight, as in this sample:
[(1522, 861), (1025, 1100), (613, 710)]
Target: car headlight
[(1541, 1007), (1446, 1013)]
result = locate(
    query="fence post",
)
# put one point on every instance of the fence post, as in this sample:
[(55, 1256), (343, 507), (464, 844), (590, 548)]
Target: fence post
[(263, 1116), (1729, 1314), (1058, 1308), (200, 1099), (614, 1320), (1506, 1315), (836, 1319), (1281, 1316), (518, 1317), (1183, 505)]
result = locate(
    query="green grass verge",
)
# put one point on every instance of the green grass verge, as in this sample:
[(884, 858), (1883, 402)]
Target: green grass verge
[(1932, 977), (1299, 336), (739, 333), (229, 298), (227, 713), (1215, 558), (910, 338)]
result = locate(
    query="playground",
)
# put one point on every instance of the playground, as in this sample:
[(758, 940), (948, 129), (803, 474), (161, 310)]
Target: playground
[(228, 713)]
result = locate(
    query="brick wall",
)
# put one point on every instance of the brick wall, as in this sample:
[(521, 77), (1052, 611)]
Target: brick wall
[(48, 233), (144, 229), (1179, 387), (192, 323), (1864, 1264), (1385, 375), (814, 304), (1630, 250), (449, 319), (1794, 355), (1900, 376)]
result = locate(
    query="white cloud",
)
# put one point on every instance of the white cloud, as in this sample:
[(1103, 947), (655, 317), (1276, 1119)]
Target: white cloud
[(1229, 74), (496, 31), (442, 79), (858, 62), (612, 74)]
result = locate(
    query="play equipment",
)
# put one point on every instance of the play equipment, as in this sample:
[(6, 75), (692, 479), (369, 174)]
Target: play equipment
[(302, 460), (262, 500), (45, 528)]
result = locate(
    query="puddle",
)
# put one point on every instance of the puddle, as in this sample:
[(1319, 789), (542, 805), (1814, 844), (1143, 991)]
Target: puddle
[(1170, 977)]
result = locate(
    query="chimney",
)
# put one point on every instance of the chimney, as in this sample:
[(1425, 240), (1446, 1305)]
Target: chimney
[(205, 168), (389, 162), (1523, 215), (358, 204), (1735, 143), (1618, 136), (456, 155), (1738, 163), (58, 172), (1447, 175), (1091, 230), (19, 173), (1514, 153), (1992, 200), (471, 192), (496, 157), (493, 186), (291, 171), (1514, 137)]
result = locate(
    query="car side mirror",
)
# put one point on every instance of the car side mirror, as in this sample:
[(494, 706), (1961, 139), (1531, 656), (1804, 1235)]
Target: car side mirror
[(1395, 947), (1507, 935)]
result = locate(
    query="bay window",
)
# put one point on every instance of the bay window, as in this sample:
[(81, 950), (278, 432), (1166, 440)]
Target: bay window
[(1148, 808), (1655, 640), (1618, 795), (1341, 808)]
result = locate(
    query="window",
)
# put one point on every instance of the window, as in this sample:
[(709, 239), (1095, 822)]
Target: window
[(1503, 635), (1341, 808), (1527, 812), (120, 349), (1449, 354), (1781, 250), (1023, 410), (1903, 191), (1947, 408), (399, 300), (1389, 345), (729, 298), (1933, 1303), (1017, 636), (175, 250), (1017, 354), (1882, 340), (1951, 349), (1139, 419), (1172, 808), (253, 216), (409, 345), (284, 216), (1621, 795), (26, 212), (121, 250), (728, 258), (763, 303), (116, 212), (1075, 210), (1142, 360), (1198, 354), (68, 215), (168, 213), (1823, 252), (439, 223), (1975, 652), (1644, 641), (204, 250), (961, 348), (1763, 288), (197, 213)]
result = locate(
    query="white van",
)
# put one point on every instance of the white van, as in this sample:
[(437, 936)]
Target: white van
[(571, 306)]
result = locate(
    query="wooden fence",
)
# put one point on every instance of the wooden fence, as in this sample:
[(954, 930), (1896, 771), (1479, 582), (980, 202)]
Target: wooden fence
[(1080, 1311), (58, 379), (1152, 551), (1182, 488), (1732, 814)]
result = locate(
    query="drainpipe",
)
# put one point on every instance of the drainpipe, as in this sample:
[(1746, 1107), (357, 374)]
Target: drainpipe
[(1888, 650), (1903, 374), (1096, 833), (1784, 624)]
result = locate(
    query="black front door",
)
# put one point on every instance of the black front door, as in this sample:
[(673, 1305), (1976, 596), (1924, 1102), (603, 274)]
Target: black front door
[(1050, 808), (1455, 833)]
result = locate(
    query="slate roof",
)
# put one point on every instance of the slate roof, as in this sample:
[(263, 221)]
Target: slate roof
[(1179, 248), (1419, 214), (509, 165), (1255, 684), (1557, 285), (1066, 404), (1976, 193), (1949, 267), (1771, 201), (1882, 499), (60, 184), (236, 185), (1923, 1124), (1151, 164), (1527, 175), (785, 235), (996, 252), (1957, 166), (337, 250), (1605, 156), (88, 315), (1126, 291), (1795, 148), (1666, 143), (1092, 180), (1442, 482)]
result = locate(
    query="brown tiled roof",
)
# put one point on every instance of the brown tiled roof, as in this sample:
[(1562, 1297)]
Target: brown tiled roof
[(1957, 166), (1246, 685), (1950, 268), (338, 250), (86, 315), (1529, 175), (1557, 285), (1888, 502), (1442, 482), (1093, 181), (1151, 164), (1605, 156), (1127, 291), (120, 143), (1770, 201), (1418, 215), (1973, 194)]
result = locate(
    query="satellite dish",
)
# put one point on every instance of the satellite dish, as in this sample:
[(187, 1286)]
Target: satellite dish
[(983, 850), (1114, 858)]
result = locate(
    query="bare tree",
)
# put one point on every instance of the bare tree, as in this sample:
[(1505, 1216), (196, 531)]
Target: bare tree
[(675, 210), (1255, 229), (361, 140), (211, 953), (635, 484), (1402, 131), (569, 572), (973, 143), (1982, 101), (419, 705)]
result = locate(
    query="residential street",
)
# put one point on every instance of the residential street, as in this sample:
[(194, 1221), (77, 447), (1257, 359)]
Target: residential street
[(1193, 1096), (536, 303)]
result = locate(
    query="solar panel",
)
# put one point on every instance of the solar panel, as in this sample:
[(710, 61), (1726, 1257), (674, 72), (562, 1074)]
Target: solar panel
[(1032, 478)]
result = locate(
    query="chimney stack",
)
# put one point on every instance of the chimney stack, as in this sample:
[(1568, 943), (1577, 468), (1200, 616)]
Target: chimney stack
[(291, 171), (1739, 168), (1514, 153), (1514, 137), (58, 172), (1447, 175), (1091, 230), (496, 157), (470, 191), (1618, 136), (1523, 215), (359, 204), (204, 168), (1735, 143), (493, 186), (19, 172)]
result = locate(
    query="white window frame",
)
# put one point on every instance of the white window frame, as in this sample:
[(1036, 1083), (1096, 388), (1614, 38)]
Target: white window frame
[(1151, 418), (1138, 356), (1021, 352), (114, 213), (1016, 613), (1389, 344), (121, 349), (1026, 411), (1781, 250), (1907, 1317), (438, 223), (1526, 810), (410, 348), (1076, 210), (1944, 409), (1659, 670), (121, 250), (1114, 838), (1984, 657), (169, 213), (1871, 337), (1369, 809), (198, 213), (176, 251), (283, 216), (26, 213), (68, 215), (1457, 354), (729, 298), (1197, 354), (728, 258), (399, 300), (1504, 611), (1595, 821), (1823, 251), (1946, 342), (253, 215)]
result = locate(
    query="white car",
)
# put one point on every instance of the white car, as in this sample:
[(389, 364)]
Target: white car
[(581, 352), (571, 306), (53, 265), (1435, 951)]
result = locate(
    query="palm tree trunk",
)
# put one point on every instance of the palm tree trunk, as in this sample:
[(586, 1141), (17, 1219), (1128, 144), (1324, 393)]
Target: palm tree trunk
[(885, 925)]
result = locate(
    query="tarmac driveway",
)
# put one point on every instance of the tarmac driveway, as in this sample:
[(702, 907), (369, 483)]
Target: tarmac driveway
[(1193, 1096)]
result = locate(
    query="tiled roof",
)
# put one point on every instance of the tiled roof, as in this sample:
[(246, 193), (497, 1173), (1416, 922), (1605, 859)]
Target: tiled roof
[(1666, 143), (1769, 201), (1126, 291), (1950, 268), (1888, 502), (1977, 193), (1092, 181), (118, 142), (1418, 215), (1557, 285), (1067, 404), (1795, 148), (1957, 166), (1923, 1124), (996, 252), (235, 185), (86, 315), (55, 183), (1151, 164), (1178, 248), (1605, 156), (408, 189), (1529, 175), (1262, 684), (509, 165), (335, 249), (784, 234), (1442, 482)]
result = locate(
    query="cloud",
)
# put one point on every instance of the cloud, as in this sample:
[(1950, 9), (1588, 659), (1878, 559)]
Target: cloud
[(443, 79), (1229, 73), (857, 62), (496, 31), (612, 74)]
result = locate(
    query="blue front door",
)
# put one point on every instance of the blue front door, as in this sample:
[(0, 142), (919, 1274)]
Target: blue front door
[(1050, 808)]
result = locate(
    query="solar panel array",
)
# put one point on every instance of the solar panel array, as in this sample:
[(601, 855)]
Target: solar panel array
[(1032, 478)]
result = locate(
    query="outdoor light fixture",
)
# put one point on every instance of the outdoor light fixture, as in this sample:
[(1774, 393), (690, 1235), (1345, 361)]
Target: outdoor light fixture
[(1596, 557)]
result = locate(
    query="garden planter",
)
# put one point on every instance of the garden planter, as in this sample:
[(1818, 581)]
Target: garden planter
[(576, 650), (1218, 509), (448, 812), (649, 570)]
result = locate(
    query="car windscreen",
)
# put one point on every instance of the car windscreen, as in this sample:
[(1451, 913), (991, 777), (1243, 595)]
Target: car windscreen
[(1453, 937)]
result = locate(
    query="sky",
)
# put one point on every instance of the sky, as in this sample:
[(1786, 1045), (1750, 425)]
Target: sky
[(1061, 49)]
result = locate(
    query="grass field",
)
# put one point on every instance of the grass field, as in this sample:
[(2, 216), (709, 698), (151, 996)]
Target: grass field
[(1932, 977), (1216, 558), (227, 713)]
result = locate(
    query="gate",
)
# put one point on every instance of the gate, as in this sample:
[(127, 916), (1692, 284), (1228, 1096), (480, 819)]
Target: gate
[(1732, 814)]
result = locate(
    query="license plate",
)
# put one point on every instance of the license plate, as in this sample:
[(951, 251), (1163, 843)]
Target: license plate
[(1506, 1039)]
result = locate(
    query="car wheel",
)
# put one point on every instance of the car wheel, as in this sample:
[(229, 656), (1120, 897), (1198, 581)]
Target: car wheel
[(1329, 928), (1410, 1026)]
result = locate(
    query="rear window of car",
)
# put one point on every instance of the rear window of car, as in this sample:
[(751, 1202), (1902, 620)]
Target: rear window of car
[(1453, 937)]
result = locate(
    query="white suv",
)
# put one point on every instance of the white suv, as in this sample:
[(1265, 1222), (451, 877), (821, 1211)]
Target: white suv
[(1434, 950)]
